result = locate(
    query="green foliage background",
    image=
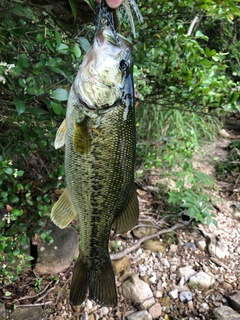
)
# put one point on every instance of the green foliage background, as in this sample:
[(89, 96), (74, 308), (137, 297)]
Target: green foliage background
[(185, 83)]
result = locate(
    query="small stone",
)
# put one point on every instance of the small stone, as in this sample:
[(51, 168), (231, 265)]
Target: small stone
[(226, 313), (186, 296), (173, 248), (158, 294), (154, 246), (186, 272), (155, 310), (190, 245), (202, 280), (237, 250), (31, 313), (136, 289), (144, 231), (104, 311), (204, 307), (201, 243), (217, 247), (121, 265), (234, 300), (227, 286), (173, 269), (190, 305), (173, 294), (140, 315), (148, 303), (88, 305)]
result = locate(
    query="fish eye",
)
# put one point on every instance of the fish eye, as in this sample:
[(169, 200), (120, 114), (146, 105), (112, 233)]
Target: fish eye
[(123, 65)]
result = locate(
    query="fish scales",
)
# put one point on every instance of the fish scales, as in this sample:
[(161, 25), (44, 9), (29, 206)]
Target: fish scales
[(99, 137)]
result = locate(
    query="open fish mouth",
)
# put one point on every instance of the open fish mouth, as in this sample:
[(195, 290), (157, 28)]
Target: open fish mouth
[(101, 78)]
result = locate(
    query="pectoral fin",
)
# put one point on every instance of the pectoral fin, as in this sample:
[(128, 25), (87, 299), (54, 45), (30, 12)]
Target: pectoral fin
[(128, 218), (81, 138), (61, 135), (63, 211)]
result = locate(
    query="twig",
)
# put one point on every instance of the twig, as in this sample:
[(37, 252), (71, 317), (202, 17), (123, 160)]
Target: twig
[(194, 21), (34, 304), (47, 292), (60, 291), (35, 296), (219, 263), (120, 255)]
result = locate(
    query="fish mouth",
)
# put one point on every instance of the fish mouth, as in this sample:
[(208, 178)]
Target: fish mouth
[(106, 34)]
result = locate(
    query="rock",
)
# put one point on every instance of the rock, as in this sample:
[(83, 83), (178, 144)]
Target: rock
[(227, 286), (2, 311), (173, 248), (154, 246), (31, 313), (201, 280), (186, 272), (201, 243), (104, 311), (217, 247), (173, 294), (58, 256), (204, 307), (138, 290), (226, 313), (234, 300), (186, 296), (88, 305), (121, 265), (144, 231), (142, 269), (190, 245), (155, 310), (140, 315), (158, 294)]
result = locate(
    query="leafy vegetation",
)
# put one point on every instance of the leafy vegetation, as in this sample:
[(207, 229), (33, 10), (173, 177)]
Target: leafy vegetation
[(185, 82)]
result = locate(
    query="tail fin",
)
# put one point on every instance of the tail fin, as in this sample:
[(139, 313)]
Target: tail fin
[(101, 283), (80, 282)]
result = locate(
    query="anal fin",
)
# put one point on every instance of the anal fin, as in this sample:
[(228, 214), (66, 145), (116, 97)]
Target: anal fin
[(63, 211), (128, 218)]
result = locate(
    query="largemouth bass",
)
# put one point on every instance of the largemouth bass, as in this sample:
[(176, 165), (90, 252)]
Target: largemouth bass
[(99, 137)]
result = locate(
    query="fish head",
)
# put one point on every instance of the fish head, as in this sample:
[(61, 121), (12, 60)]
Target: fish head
[(104, 70)]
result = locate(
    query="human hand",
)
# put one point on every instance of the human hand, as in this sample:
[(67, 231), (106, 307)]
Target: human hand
[(114, 4)]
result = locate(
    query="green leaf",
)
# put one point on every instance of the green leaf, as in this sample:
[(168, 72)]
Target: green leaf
[(28, 258), (19, 269), (58, 38), (8, 294), (77, 51), (8, 171), (73, 6), (22, 61), (63, 48), (200, 35), (60, 94), (20, 173), (84, 43), (57, 108), (20, 105)]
